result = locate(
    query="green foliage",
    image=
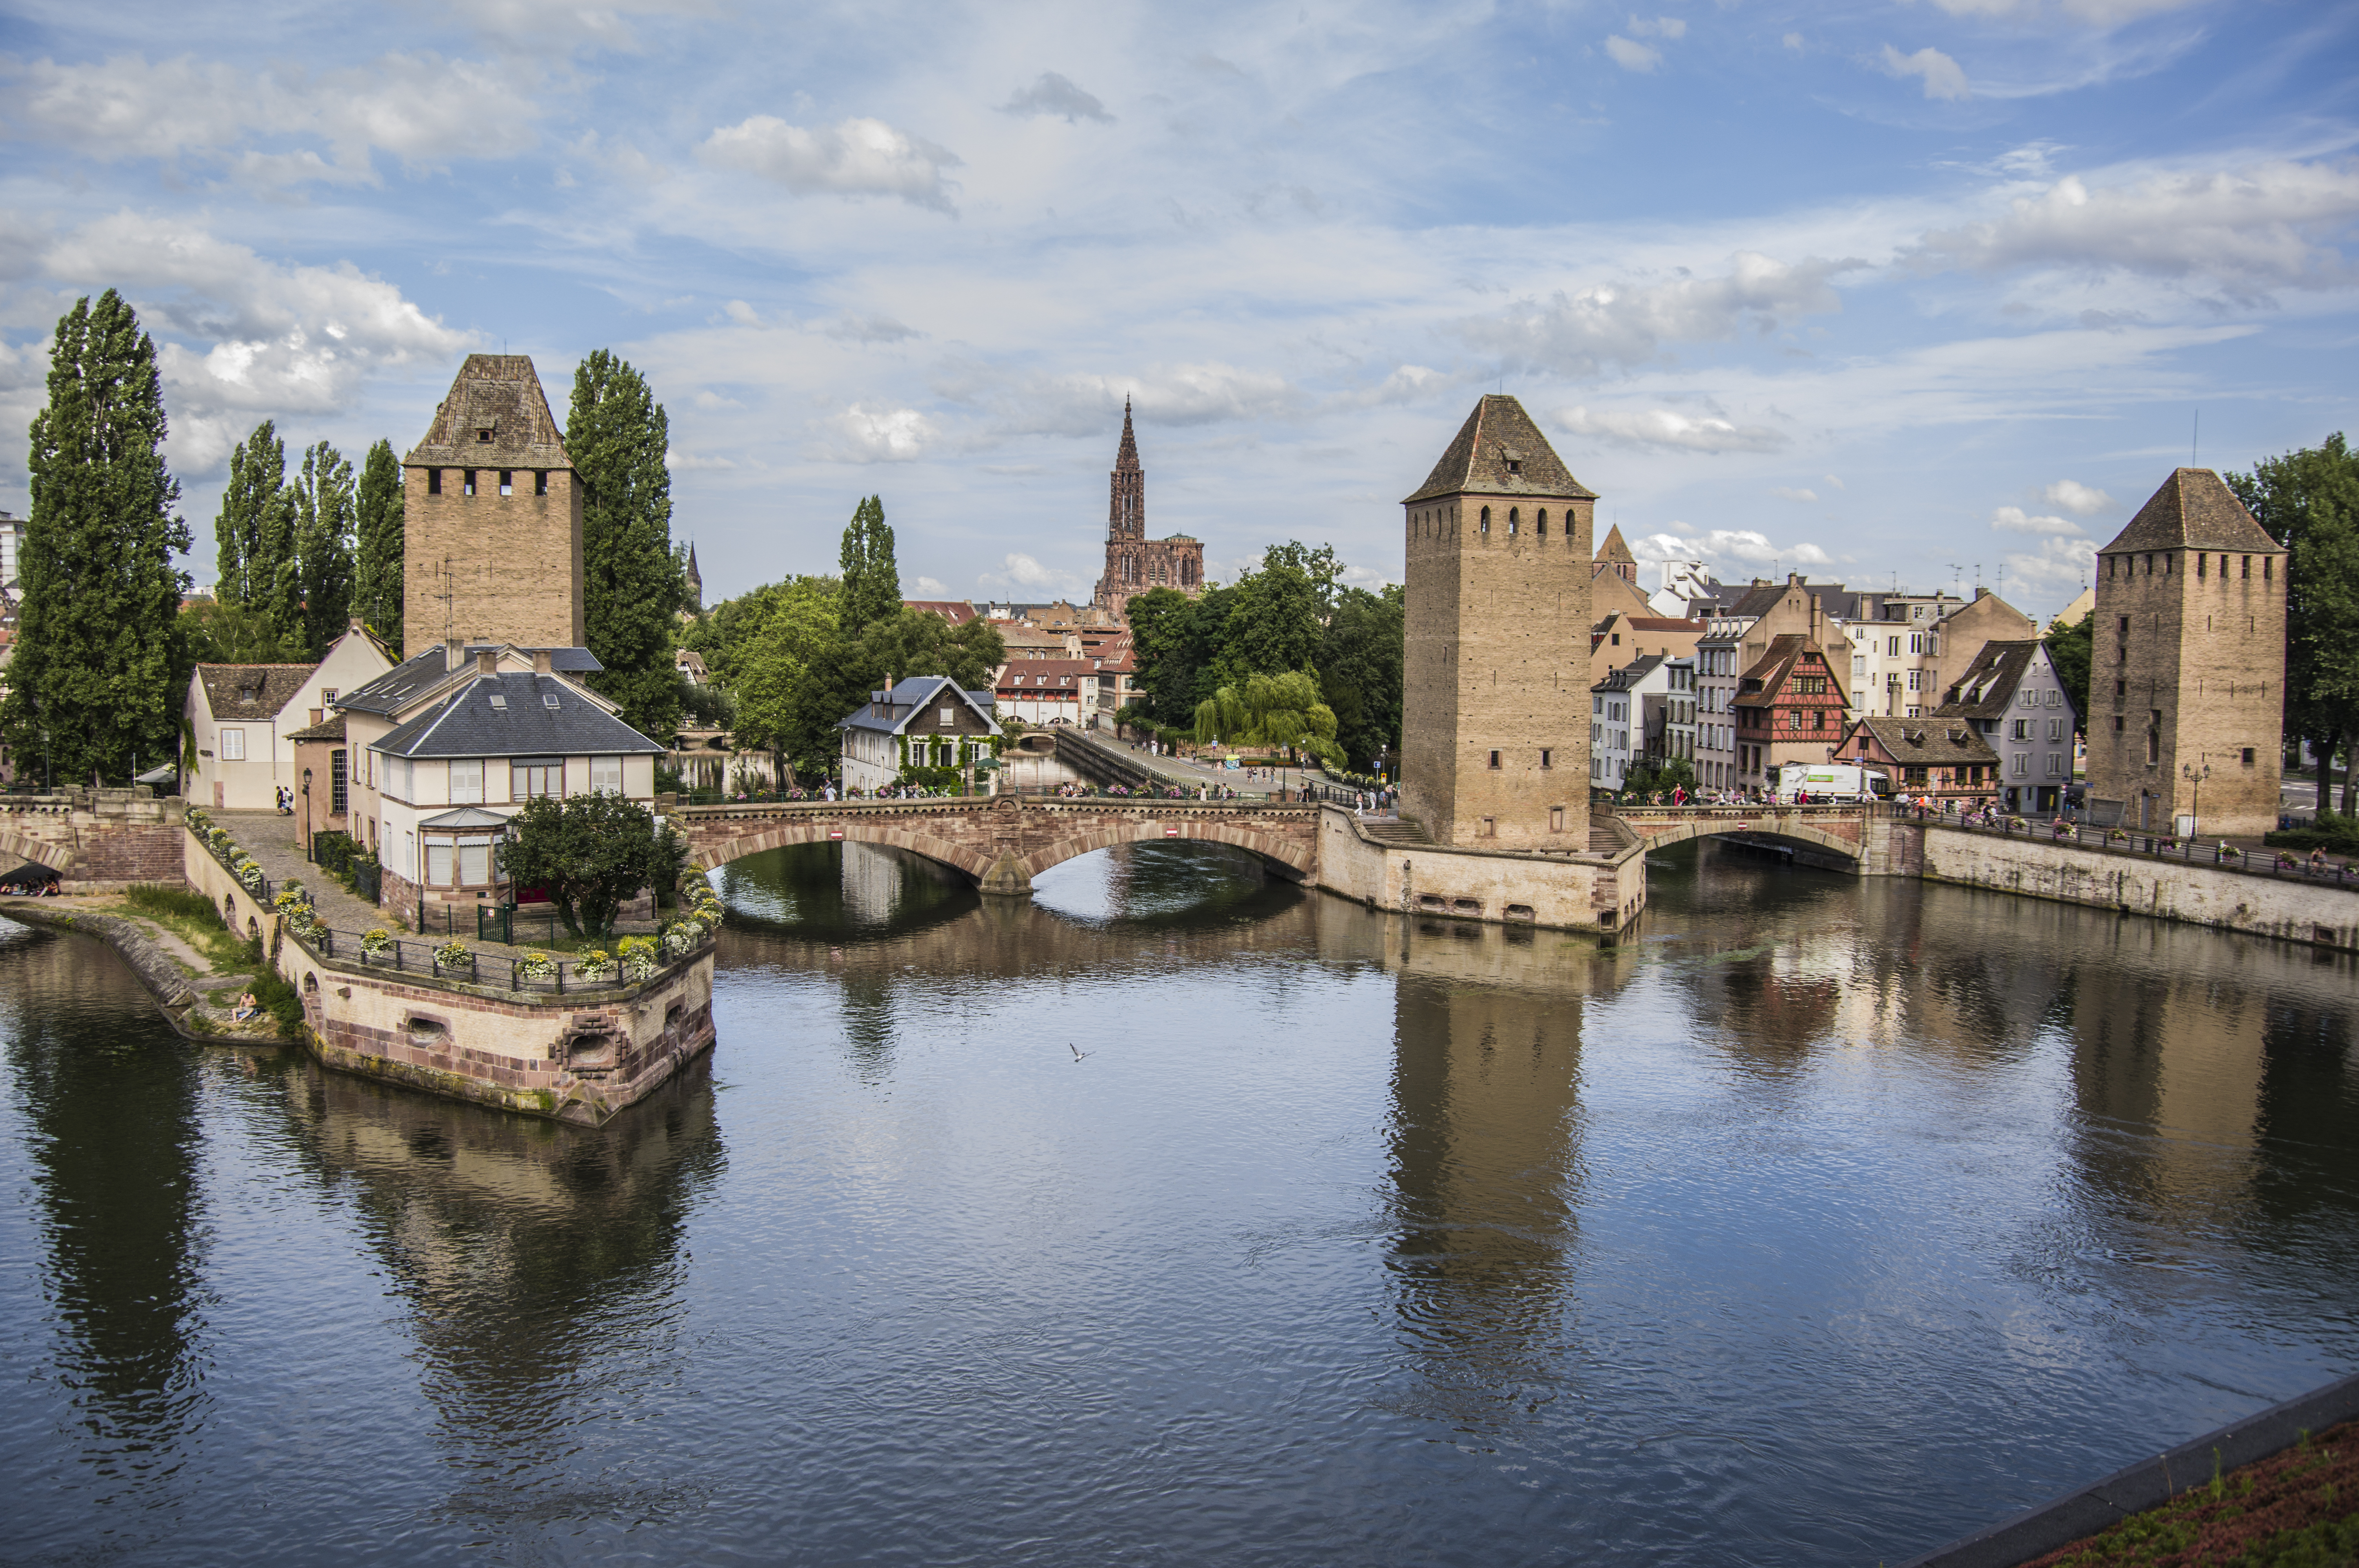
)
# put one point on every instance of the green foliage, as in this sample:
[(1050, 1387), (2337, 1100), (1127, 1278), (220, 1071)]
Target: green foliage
[(324, 513), (872, 579), (1277, 614), (2072, 649), (2309, 502), (280, 1001), (1360, 673), (1647, 775), (724, 634), (254, 531), (1180, 645), (1271, 710), (220, 633), (617, 434), (377, 551), (333, 850), (98, 661), (2333, 831), (666, 862), (181, 902), (590, 851)]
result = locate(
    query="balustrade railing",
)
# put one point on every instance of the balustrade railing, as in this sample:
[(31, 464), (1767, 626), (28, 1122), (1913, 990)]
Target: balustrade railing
[(550, 974)]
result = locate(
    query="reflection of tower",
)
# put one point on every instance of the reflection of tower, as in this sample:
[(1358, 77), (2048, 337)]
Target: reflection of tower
[(1485, 1092), (872, 882)]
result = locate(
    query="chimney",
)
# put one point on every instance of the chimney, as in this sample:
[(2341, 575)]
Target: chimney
[(1979, 592), (487, 662), (540, 663), (454, 653)]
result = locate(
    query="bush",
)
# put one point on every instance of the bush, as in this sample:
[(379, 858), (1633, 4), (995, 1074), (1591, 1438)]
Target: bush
[(281, 1001), (593, 966), (454, 954), (638, 958), (333, 850), (2332, 832), (185, 903)]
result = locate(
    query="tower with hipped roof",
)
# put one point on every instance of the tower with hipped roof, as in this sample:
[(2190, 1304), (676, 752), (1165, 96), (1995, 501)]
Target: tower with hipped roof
[(2187, 678), (1494, 721)]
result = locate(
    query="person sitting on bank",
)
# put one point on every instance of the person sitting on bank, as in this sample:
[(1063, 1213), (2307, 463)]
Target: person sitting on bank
[(246, 1009)]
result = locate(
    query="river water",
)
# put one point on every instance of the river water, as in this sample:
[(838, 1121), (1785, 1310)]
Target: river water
[(1822, 1222)]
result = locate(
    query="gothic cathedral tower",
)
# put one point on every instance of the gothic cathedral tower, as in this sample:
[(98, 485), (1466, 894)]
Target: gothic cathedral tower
[(493, 517), (1494, 720), (1134, 563)]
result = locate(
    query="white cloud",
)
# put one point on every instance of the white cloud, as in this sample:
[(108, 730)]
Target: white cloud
[(870, 330), (1023, 576), (679, 461), (1834, 480), (854, 158), (1083, 403), (1580, 333), (2014, 520), (1943, 77), (1668, 429), (1055, 94), (561, 26), (1792, 41), (2079, 499), (2058, 564), (421, 108), (1630, 55), (1784, 493), (1747, 545), (1660, 27), (931, 588), (865, 435), (2264, 225)]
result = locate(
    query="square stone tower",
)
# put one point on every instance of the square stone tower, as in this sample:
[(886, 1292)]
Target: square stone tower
[(1494, 720), (492, 530), (2187, 678)]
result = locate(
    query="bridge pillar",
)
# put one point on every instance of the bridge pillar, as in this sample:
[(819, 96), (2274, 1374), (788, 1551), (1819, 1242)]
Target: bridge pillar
[(1006, 879)]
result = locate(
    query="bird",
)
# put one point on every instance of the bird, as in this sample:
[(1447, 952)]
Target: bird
[(1079, 1054)]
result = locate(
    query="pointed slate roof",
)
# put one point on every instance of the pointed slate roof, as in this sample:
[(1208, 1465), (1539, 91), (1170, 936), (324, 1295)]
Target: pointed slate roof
[(1497, 435), (1613, 552), (2193, 510), (496, 416), (1125, 457)]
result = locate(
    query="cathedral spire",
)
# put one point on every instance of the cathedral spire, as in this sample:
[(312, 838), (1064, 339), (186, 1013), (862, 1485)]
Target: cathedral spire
[(1127, 458)]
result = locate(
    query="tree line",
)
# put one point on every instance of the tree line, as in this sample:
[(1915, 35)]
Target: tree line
[(103, 651)]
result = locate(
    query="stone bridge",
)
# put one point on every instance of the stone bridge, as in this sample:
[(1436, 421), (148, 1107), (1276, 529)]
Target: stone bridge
[(93, 838), (1864, 838), (1001, 842)]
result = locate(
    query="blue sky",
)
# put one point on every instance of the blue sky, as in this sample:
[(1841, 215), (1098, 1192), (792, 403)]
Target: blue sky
[(1879, 292)]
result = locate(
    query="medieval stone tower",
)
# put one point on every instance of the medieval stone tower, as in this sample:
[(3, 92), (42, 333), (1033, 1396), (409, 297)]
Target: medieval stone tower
[(492, 530), (2187, 677), (1134, 563), (1494, 721)]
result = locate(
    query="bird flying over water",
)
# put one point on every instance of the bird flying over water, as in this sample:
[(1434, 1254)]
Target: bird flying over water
[(1079, 1054)]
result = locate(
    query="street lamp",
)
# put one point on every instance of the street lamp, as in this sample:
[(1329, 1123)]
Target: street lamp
[(2195, 776), (307, 816)]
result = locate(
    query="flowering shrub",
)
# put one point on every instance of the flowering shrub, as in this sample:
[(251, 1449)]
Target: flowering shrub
[(595, 965), (637, 956), (196, 818), (453, 954), (681, 937), (291, 898), (536, 966), (248, 873), (375, 941)]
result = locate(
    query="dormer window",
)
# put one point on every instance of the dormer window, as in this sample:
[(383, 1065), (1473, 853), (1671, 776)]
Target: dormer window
[(484, 435), (1515, 465)]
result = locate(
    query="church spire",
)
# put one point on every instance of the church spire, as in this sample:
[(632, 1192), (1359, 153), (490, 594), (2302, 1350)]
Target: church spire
[(1127, 458)]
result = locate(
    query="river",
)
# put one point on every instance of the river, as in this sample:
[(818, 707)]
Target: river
[(1823, 1221)]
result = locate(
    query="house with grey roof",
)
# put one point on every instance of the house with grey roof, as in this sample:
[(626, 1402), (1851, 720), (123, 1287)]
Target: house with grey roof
[(2014, 700), (454, 739), (918, 722)]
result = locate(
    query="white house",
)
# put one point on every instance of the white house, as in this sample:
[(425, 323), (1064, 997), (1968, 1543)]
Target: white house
[(454, 741), (1048, 691), (921, 721), (238, 751)]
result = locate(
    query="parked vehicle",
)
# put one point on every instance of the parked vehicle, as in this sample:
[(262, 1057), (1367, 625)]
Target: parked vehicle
[(1834, 783)]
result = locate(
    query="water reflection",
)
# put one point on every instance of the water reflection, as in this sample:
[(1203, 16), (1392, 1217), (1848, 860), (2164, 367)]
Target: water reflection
[(109, 1108)]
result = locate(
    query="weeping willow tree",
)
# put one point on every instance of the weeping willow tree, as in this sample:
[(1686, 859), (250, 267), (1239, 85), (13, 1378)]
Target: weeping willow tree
[(1271, 710)]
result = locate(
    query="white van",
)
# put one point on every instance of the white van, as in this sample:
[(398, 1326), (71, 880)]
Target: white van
[(1834, 783)]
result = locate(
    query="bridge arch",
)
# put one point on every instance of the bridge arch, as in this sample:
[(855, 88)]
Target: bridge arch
[(1790, 827), (57, 857), (1289, 860), (713, 852)]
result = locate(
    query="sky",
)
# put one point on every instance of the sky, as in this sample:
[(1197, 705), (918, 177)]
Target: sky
[(1927, 294)]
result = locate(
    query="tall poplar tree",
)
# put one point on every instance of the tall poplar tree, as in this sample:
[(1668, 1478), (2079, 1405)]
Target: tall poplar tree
[(250, 501), (616, 434), (871, 579), (323, 546), (378, 553), (96, 678)]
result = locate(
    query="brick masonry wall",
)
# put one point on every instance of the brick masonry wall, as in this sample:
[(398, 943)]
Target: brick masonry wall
[(96, 839), (515, 560), (2208, 653), (1497, 659)]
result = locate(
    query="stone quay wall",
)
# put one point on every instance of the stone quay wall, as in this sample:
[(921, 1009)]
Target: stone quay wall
[(578, 1058), (97, 840), (2285, 908), (1599, 893)]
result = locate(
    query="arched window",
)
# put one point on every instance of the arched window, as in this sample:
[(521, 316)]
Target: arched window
[(1486, 519), (1515, 521), (1542, 521)]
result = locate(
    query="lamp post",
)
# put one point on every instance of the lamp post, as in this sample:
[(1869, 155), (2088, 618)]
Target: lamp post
[(2195, 776), (307, 816)]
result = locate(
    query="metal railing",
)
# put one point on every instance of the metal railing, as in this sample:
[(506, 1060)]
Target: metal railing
[(553, 975)]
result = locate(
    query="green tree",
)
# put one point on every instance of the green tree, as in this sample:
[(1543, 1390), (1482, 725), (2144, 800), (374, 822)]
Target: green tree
[(255, 534), (724, 634), (378, 552), (97, 666), (617, 434), (1278, 613), (1271, 710), (789, 675), (1178, 643), (591, 852), (2072, 650), (324, 505), (215, 632), (1360, 662), (2309, 502), (872, 579)]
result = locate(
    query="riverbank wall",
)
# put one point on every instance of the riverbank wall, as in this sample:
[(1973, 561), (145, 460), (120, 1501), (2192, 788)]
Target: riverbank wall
[(578, 1056), (1602, 891), (97, 840), (2318, 915)]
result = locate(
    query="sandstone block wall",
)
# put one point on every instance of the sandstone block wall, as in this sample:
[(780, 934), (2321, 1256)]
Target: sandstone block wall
[(510, 566), (97, 840), (1599, 894)]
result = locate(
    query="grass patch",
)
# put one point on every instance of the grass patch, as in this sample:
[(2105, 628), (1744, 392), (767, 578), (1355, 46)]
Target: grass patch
[(191, 916)]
